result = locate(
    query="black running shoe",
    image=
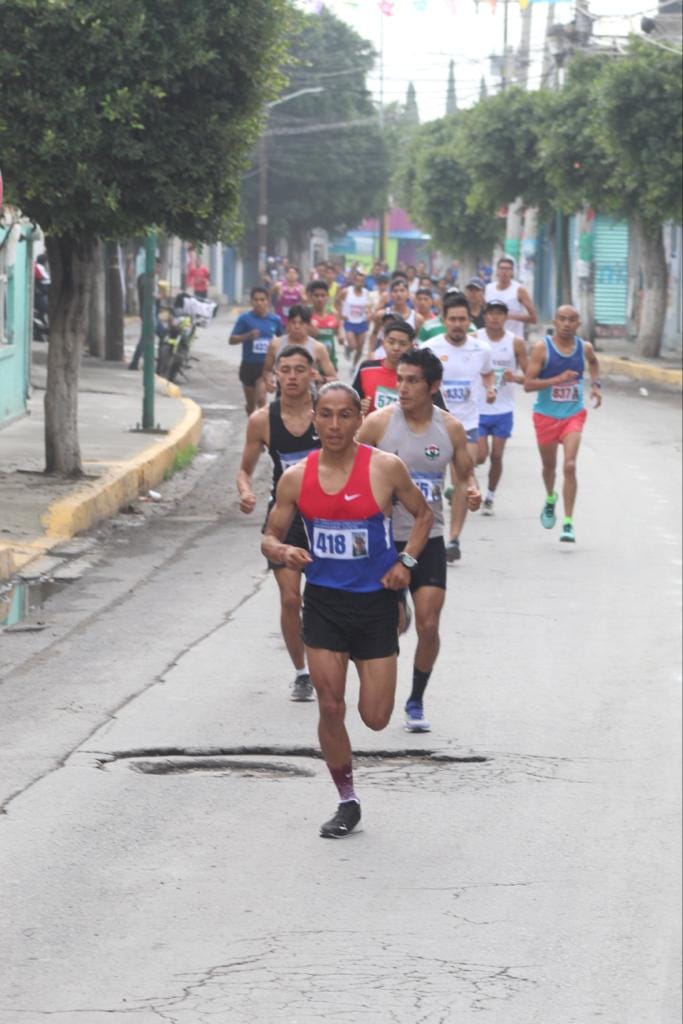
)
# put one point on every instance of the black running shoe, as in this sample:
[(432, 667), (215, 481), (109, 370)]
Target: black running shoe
[(344, 821), (453, 551)]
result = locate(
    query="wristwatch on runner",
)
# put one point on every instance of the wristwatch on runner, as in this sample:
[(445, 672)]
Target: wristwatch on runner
[(407, 560)]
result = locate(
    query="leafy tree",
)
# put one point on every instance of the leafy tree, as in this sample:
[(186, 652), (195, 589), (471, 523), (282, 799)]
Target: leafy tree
[(611, 138), (118, 115), (433, 183), (498, 140), (640, 110), (327, 161)]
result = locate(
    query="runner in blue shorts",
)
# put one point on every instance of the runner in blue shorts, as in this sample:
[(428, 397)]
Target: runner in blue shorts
[(509, 359)]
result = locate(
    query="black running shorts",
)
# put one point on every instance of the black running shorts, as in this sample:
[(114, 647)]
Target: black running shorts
[(430, 570), (250, 373), (364, 626)]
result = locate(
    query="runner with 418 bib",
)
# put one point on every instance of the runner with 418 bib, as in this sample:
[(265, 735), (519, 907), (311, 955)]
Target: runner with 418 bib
[(345, 495)]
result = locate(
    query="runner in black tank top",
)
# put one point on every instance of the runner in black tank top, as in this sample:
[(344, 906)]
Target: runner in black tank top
[(266, 428)]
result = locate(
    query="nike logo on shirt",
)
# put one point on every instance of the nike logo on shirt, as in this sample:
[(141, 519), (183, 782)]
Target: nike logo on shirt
[(351, 497)]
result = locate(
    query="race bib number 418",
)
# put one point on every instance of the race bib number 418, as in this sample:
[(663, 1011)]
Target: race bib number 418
[(340, 544)]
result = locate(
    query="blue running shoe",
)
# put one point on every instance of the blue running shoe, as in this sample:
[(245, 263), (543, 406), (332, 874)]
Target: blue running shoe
[(415, 718), (567, 535), (548, 515)]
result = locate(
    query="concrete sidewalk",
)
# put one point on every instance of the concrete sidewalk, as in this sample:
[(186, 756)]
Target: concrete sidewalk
[(38, 513)]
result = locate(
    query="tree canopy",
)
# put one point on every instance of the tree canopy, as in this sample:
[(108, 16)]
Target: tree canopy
[(119, 114), (433, 183), (327, 161)]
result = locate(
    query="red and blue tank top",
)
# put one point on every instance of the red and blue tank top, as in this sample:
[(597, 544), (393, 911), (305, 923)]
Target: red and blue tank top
[(349, 536)]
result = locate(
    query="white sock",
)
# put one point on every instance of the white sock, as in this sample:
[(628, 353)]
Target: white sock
[(490, 495), (301, 672)]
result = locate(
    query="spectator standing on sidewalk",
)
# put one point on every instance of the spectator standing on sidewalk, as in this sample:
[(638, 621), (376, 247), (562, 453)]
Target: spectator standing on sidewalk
[(159, 327)]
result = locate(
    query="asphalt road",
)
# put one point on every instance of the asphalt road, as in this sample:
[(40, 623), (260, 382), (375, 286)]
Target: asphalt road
[(519, 865)]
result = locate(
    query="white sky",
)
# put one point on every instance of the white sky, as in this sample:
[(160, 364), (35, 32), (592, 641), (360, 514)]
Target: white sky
[(423, 35)]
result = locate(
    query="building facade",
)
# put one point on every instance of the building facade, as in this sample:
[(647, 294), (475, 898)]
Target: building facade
[(16, 319)]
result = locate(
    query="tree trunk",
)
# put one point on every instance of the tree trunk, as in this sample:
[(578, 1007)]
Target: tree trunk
[(71, 269), (97, 311), (114, 318), (653, 309)]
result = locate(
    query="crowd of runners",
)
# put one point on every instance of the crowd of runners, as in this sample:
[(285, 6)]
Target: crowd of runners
[(374, 476)]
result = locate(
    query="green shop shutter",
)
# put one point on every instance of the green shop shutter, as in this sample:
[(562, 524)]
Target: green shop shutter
[(610, 246)]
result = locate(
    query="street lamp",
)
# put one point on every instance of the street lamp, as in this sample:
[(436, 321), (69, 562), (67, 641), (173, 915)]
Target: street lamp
[(263, 176)]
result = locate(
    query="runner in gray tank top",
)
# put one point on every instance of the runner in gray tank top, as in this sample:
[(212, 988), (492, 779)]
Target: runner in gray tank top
[(427, 439)]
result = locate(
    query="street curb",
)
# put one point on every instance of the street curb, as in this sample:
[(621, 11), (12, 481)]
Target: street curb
[(120, 486), (616, 366)]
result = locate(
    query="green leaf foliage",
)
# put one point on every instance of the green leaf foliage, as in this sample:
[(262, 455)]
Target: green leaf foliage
[(320, 173), (639, 111), (498, 140), (577, 166), (433, 183), (121, 114)]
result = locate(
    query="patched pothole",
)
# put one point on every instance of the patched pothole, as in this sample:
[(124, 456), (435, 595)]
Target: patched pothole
[(218, 765), (269, 762)]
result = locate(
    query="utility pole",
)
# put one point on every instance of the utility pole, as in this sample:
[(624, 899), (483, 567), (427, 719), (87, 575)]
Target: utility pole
[(263, 205), (148, 333), (263, 176), (382, 225)]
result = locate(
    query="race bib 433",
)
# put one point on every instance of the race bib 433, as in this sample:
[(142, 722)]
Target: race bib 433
[(457, 390)]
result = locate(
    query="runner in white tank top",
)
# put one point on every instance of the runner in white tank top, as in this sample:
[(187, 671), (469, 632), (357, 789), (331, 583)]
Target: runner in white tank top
[(467, 370), (353, 304), (509, 358), (521, 309)]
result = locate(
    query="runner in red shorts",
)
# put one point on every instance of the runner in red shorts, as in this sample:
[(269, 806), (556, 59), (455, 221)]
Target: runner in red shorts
[(556, 371)]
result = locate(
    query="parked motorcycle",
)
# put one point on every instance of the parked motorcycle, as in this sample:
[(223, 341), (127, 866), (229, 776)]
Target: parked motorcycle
[(175, 351)]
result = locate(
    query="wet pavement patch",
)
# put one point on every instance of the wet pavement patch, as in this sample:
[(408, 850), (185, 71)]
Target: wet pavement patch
[(21, 599)]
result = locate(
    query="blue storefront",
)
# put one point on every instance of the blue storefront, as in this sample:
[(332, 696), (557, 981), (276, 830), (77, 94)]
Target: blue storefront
[(16, 269)]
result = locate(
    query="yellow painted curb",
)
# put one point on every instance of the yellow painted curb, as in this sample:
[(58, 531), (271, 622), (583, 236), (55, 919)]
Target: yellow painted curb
[(119, 486), (640, 371), (123, 483)]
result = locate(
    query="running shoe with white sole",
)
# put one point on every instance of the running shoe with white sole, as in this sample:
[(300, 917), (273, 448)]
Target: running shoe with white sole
[(567, 535), (487, 507), (549, 515), (302, 689), (415, 718), (344, 821)]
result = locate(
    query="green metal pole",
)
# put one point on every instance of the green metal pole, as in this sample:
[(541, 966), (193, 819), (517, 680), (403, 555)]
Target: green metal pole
[(148, 333)]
